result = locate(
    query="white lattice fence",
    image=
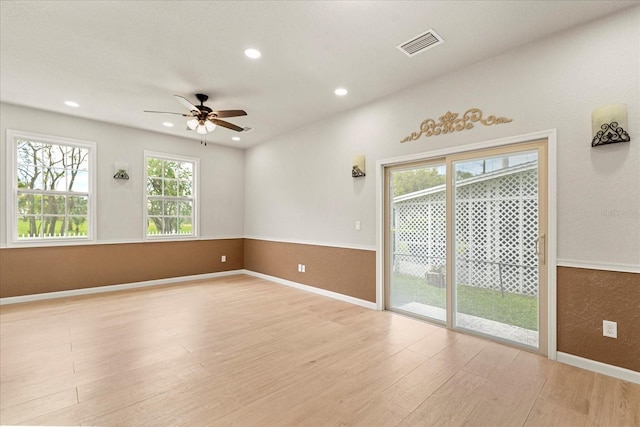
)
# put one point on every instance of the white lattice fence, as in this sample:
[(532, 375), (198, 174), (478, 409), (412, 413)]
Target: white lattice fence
[(420, 235), (496, 227)]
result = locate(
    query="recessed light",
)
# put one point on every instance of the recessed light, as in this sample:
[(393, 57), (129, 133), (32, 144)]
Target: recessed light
[(236, 138), (167, 124), (71, 104), (341, 91), (252, 53)]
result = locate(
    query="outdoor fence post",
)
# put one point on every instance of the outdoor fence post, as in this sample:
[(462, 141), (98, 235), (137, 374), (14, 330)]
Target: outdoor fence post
[(500, 277)]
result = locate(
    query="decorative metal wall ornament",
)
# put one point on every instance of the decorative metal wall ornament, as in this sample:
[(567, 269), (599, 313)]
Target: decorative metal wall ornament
[(121, 174), (120, 168), (609, 124), (450, 122), (610, 133), (358, 166)]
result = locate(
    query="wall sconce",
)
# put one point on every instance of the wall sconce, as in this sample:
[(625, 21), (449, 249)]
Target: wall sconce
[(121, 170), (357, 166), (609, 125)]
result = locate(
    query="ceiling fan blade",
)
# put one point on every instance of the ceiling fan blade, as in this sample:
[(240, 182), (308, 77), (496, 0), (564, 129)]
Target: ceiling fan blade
[(229, 113), (167, 112), (227, 125), (189, 106)]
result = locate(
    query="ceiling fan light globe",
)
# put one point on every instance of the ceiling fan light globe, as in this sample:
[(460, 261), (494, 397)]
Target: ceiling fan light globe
[(192, 124), (201, 130), (209, 125)]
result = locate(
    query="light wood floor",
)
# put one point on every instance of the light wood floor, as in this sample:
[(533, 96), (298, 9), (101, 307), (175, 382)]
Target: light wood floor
[(243, 351)]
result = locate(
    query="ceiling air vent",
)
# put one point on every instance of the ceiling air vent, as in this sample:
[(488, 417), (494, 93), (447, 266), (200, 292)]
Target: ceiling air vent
[(420, 43)]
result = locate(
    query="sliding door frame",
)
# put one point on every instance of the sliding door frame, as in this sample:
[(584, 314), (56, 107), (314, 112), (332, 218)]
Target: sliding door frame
[(381, 235)]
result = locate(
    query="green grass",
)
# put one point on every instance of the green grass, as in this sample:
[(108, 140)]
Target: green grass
[(23, 228), (184, 228), (513, 309)]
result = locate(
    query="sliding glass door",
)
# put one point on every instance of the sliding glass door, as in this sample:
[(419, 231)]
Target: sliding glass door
[(466, 242), (418, 240), (497, 244)]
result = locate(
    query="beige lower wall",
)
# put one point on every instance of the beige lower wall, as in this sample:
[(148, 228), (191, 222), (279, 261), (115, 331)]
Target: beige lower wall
[(346, 271), (587, 297), (27, 271)]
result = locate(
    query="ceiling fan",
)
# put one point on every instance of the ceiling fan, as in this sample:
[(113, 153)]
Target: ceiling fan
[(203, 119)]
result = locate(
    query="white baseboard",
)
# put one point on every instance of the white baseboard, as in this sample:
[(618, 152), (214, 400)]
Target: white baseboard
[(319, 291), (599, 367), (171, 280), (113, 288)]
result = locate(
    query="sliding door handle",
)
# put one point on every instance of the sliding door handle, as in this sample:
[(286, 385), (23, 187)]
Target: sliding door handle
[(540, 249)]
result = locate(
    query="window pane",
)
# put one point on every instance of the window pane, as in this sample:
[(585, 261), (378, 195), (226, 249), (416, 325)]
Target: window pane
[(170, 168), (76, 226), (29, 152), (30, 177), (51, 177), (54, 226), (58, 179), (154, 187), (29, 204), (184, 170), (77, 158), (170, 208), (77, 205), (54, 205), (78, 181), (29, 226), (154, 167), (186, 226), (185, 209), (186, 188), (170, 187), (155, 225), (53, 155), (162, 225), (170, 225), (155, 207)]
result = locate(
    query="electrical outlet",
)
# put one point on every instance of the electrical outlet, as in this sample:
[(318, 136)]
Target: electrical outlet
[(299, 268), (224, 258), (303, 268), (609, 329)]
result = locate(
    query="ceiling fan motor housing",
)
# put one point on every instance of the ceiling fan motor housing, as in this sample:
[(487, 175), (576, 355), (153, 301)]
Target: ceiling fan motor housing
[(202, 97)]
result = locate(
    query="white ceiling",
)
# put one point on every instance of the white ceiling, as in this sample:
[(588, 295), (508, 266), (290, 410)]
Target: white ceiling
[(118, 58)]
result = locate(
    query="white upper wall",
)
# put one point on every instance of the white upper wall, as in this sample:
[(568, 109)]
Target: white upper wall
[(120, 204), (298, 187)]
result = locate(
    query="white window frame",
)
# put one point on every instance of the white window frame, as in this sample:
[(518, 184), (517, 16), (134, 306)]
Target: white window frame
[(195, 197), (12, 190)]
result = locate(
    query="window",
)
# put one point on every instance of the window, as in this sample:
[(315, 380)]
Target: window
[(171, 186), (52, 195)]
